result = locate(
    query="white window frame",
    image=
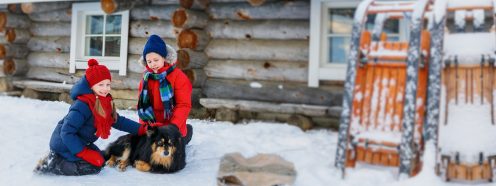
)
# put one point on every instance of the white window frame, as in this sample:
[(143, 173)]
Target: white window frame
[(78, 27), (318, 68)]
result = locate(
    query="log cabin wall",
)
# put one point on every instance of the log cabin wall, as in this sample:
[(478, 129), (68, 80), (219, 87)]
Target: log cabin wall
[(257, 50), (246, 50)]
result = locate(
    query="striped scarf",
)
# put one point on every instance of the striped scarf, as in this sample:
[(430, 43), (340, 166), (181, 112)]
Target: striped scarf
[(145, 109)]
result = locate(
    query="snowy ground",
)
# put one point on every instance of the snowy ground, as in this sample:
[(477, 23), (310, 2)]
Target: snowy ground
[(26, 126)]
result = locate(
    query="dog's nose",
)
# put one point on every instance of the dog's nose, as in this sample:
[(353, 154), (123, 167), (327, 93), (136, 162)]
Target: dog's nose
[(166, 153)]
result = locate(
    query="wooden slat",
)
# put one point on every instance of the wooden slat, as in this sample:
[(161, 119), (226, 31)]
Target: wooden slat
[(399, 100), (359, 89), (384, 94), (377, 95), (390, 104), (367, 95)]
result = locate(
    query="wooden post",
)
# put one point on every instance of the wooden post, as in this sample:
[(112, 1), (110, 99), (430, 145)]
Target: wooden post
[(13, 21), (259, 29), (195, 39), (160, 12), (29, 8), (62, 15), (196, 76), (51, 29), (13, 35), (187, 58), (227, 115), (111, 6), (49, 44), (15, 67), (13, 50), (194, 4)]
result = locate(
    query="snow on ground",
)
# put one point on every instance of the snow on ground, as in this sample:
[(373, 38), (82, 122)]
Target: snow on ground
[(26, 126)]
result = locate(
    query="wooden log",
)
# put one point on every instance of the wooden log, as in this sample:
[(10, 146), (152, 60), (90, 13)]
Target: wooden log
[(259, 29), (286, 50), (196, 95), (2, 74), (65, 97), (227, 115), (5, 84), (10, 20), (51, 29), (135, 45), (62, 75), (14, 8), (184, 18), (49, 44), (194, 4), (17, 35), (13, 50), (48, 59), (269, 91), (146, 28), (14, 67), (258, 70), (153, 12), (196, 76), (42, 86), (263, 107), (62, 15), (164, 2), (187, 58), (30, 93), (195, 39), (129, 94), (125, 104), (271, 10), (112, 6), (30, 8), (304, 122), (133, 64), (252, 2)]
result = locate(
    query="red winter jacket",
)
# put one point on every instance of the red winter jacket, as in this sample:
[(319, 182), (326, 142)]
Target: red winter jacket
[(182, 96)]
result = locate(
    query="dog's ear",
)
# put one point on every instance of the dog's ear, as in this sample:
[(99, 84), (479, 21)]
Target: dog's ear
[(150, 131)]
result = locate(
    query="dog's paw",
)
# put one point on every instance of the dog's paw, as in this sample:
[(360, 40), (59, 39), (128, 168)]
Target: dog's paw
[(142, 166), (122, 166), (111, 162)]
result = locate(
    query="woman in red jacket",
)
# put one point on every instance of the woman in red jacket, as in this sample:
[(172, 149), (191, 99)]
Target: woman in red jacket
[(164, 91)]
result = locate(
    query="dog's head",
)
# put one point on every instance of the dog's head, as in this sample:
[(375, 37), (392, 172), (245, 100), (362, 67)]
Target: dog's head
[(166, 142)]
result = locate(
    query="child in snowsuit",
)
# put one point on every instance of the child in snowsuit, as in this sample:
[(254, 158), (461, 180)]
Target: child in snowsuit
[(90, 117), (164, 91)]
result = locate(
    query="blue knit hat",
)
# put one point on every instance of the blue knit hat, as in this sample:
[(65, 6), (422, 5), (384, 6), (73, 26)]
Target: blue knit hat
[(155, 44)]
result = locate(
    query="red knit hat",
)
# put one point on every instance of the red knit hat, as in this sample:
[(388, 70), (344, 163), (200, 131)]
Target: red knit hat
[(96, 73)]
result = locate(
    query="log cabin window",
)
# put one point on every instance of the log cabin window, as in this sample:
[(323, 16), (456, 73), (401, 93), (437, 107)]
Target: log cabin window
[(95, 34), (330, 28)]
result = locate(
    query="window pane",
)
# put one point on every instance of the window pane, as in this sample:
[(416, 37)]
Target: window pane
[(338, 49), (94, 24), (113, 25), (392, 26), (340, 20), (93, 46), (112, 46)]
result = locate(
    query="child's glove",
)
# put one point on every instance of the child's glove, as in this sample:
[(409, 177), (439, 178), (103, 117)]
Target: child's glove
[(91, 156)]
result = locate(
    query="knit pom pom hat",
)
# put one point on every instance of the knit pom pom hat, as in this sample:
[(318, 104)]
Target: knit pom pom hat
[(96, 73)]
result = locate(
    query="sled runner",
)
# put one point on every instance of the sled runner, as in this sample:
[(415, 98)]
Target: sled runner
[(386, 89), (466, 106)]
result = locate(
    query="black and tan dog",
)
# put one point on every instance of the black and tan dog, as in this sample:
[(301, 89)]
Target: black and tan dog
[(160, 151)]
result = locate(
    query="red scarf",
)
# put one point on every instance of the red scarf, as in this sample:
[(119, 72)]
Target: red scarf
[(103, 119)]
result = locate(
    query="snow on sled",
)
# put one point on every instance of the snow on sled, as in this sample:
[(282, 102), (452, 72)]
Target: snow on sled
[(385, 89), (467, 130)]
